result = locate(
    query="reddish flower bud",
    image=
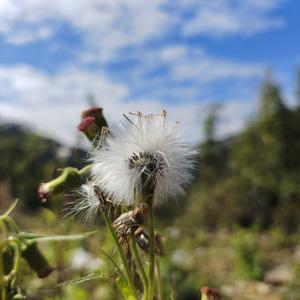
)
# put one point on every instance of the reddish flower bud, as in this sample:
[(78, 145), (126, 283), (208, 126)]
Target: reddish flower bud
[(92, 121), (36, 260), (86, 122), (89, 127), (210, 293), (44, 192)]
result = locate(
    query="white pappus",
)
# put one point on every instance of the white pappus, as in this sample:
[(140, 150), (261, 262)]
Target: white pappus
[(152, 147), (88, 203)]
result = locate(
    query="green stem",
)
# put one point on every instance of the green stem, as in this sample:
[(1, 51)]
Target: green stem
[(7, 220), (2, 275), (140, 267), (158, 279), (3, 227), (12, 207), (121, 252), (17, 256), (84, 170), (152, 252), (68, 177)]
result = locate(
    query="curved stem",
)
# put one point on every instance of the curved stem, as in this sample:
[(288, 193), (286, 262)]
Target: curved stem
[(10, 222), (152, 252), (121, 252), (140, 267), (17, 256), (3, 228)]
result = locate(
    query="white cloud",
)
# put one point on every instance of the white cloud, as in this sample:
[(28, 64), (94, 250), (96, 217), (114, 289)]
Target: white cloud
[(219, 17), (24, 36), (52, 104), (107, 26), (199, 65), (234, 116), (183, 64)]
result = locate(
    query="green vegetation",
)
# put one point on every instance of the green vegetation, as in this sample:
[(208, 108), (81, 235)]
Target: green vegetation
[(251, 178), (248, 181)]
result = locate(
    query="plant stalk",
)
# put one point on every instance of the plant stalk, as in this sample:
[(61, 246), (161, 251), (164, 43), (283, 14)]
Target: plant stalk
[(158, 279), (2, 275), (140, 267), (121, 253), (151, 252)]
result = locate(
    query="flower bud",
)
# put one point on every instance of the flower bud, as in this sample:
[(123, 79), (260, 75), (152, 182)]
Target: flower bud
[(69, 177), (36, 260), (44, 192), (92, 121), (210, 294)]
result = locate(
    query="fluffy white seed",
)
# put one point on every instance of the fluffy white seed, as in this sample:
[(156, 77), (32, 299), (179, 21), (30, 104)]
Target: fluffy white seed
[(152, 135)]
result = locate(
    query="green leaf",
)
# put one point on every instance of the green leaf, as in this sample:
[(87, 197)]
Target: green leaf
[(11, 207), (84, 279), (114, 263), (124, 289), (50, 238)]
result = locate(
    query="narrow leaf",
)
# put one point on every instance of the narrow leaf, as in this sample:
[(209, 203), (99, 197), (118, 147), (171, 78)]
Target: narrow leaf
[(43, 238), (11, 207), (84, 279), (114, 263)]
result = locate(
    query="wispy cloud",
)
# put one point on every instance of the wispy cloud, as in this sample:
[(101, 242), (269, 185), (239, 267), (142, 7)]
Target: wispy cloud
[(219, 18), (115, 24), (52, 104), (131, 55)]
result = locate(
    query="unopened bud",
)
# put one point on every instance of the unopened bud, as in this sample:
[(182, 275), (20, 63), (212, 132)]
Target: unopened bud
[(210, 294), (92, 121), (36, 260), (44, 192), (69, 178)]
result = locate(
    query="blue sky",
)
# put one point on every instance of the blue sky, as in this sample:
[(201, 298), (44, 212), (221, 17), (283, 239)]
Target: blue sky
[(178, 55)]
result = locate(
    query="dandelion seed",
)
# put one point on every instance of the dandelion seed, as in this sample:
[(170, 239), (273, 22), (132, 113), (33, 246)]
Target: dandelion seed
[(148, 156)]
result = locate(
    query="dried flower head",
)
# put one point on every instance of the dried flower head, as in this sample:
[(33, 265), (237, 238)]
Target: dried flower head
[(127, 223), (142, 239), (147, 156)]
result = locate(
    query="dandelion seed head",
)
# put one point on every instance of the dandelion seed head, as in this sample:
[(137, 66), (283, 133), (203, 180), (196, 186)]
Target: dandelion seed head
[(150, 147)]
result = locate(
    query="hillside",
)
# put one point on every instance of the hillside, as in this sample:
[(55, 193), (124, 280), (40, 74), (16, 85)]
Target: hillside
[(27, 159)]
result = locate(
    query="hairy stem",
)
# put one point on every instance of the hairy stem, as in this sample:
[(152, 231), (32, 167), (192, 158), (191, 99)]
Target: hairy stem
[(151, 252), (121, 252), (140, 267)]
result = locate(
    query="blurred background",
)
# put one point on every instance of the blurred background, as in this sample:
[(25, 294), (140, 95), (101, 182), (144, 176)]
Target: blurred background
[(226, 69)]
